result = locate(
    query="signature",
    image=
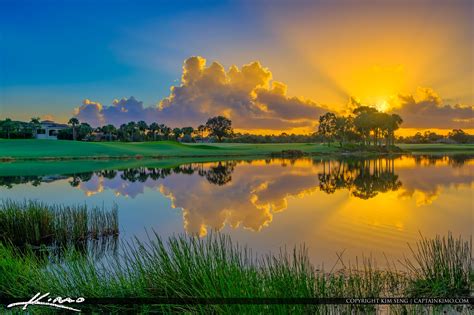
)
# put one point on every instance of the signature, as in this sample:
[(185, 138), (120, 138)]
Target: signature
[(44, 300)]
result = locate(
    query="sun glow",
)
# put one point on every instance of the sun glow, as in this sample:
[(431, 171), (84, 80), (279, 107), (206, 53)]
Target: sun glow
[(382, 106)]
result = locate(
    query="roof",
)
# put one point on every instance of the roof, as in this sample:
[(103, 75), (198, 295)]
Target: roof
[(50, 123)]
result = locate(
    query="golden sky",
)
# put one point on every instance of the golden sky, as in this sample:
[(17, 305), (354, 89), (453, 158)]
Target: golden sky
[(270, 66)]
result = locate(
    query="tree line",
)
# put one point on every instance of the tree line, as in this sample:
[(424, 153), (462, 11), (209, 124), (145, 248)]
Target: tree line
[(368, 127), (365, 126), (217, 128)]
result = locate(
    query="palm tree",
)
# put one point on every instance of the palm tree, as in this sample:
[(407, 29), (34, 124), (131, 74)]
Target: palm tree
[(109, 130), (123, 131), (143, 127), (131, 127), (165, 130), (35, 124), (394, 123), (327, 126), (154, 128), (177, 132), (201, 129), (187, 134), (85, 130), (73, 122), (8, 125)]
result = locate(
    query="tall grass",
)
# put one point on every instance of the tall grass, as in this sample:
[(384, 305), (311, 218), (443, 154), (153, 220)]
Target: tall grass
[(187, 266), (36, 223), (441, 267)]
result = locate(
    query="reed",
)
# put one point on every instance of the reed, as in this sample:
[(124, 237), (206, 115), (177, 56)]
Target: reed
[(36, 223), (441, 267), (187, 266)]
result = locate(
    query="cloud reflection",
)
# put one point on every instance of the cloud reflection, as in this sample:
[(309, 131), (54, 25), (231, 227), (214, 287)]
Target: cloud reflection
[(249, 193)]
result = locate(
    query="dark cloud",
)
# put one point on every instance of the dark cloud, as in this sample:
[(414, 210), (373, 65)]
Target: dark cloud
[(425, 109)]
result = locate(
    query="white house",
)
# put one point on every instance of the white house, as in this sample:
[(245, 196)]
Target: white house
[(49, 130)]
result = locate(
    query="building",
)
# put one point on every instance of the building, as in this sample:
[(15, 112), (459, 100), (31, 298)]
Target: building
[(49, 130)]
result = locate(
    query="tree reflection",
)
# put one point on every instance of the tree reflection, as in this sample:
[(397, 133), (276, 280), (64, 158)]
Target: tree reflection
[(363, 178), (220, 174), (76, 179)]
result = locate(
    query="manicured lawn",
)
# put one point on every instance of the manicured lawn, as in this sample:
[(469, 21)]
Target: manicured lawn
[(438, 148), (51, 149), (34, 149)]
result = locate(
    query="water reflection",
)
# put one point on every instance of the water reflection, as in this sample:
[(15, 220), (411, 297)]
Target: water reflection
[(249, 193), (363, 178)]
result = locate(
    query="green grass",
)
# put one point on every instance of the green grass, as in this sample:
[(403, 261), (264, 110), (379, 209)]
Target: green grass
[(36, 223), (438, 148), (61, 149), (188, 266), (51, 149), (442, 267)]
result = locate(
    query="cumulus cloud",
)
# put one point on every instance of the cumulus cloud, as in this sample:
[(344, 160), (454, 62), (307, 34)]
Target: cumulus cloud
[(120, 112), (247, 95), (425, 109), (90, 112)]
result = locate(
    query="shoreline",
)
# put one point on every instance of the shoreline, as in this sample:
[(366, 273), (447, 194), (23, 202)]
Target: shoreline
[(44, 150), (368, 154)]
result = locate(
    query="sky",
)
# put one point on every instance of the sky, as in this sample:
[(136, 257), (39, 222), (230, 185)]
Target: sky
[(270, 66)]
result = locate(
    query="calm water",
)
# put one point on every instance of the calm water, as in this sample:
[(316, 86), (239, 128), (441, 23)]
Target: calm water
[(363, 207)]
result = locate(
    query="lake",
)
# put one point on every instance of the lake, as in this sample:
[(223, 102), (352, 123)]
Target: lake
[(370, 207)]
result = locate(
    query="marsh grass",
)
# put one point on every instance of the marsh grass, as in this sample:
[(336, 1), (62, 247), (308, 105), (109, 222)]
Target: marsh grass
[(36, 223), (188, 266), (441, 267)]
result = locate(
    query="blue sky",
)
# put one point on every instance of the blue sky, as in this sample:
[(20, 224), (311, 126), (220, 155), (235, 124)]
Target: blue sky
[(55, 54)]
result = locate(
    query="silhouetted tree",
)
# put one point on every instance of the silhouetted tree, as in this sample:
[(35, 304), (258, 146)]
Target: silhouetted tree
[(74, 122), (219, 127), (154, 128), (177, 132), (327, 126), (35, 124), (143, 128)]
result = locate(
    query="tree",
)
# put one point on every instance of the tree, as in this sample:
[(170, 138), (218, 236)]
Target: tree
[(187, 132), (84, 131), (343, 126), (393, 123), (8, 125), (201, 129), (35, 124), (154, 128), (142, 127), (327, 126), (123, 132), (177, 132), (109, 130), (74, 122), (219, 127), (364, 122), (165, 130), (131, 128), (459, 136)]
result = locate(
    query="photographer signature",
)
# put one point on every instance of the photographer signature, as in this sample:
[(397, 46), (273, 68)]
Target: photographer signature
[(44, 300)]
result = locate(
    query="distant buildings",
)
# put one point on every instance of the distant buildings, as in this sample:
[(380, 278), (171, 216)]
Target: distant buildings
[(49, 130)]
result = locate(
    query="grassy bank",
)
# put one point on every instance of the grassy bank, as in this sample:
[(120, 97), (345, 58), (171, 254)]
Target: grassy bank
[(50, 149), (54, 150), (438, 148), (187, 266), (36, 223)]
